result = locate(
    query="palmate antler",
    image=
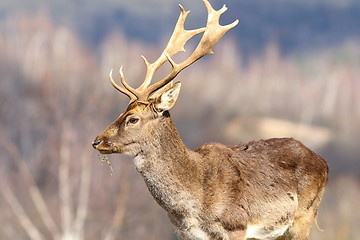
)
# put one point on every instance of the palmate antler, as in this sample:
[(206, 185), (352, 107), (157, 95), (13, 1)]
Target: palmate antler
[(212, 34)]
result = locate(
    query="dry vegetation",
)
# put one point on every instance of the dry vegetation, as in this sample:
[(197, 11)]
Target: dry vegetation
[(55, 98)]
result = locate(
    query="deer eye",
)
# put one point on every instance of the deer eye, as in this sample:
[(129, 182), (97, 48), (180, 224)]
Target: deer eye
[(133, 120)]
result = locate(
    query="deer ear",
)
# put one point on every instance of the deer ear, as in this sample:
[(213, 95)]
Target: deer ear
[(167, 100)]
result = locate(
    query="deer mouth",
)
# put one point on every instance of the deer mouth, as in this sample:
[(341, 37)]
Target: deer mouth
[(108, 148), (106, 151), (103, 147)]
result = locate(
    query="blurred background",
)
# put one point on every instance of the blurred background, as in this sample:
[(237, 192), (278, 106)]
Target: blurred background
[(290, 68)]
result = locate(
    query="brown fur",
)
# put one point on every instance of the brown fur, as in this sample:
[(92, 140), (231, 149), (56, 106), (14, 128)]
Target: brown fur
[(268, 188)]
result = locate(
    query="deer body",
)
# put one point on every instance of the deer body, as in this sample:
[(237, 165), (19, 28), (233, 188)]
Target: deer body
[(268, 189), (261, 189)]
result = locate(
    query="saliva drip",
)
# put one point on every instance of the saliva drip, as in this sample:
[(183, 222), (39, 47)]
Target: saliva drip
[(104, 158)]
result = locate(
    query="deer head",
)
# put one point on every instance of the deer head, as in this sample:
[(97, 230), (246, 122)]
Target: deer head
[(135, 127), (149, 103)]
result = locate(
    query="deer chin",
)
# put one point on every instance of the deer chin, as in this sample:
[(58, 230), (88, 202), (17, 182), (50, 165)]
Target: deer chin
[(131, 148)]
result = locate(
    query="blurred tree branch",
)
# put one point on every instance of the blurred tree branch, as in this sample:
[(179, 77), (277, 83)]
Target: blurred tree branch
[(122, 198), (34, 191), (19, 211)]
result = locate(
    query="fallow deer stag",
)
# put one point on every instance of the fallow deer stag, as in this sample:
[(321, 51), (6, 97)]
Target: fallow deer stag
[(268, 189)]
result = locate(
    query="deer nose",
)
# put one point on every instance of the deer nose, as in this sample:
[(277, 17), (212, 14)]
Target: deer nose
[(95, 143)]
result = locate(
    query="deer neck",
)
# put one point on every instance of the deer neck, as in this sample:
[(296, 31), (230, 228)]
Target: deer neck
[(163, 149), (167, 166)]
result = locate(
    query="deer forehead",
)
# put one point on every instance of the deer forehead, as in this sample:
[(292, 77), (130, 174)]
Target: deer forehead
[(140, 110)]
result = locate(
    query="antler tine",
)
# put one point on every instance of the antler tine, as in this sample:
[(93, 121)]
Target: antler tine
[(175, 45), (125, 90), (213, 33), (124, 83)]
